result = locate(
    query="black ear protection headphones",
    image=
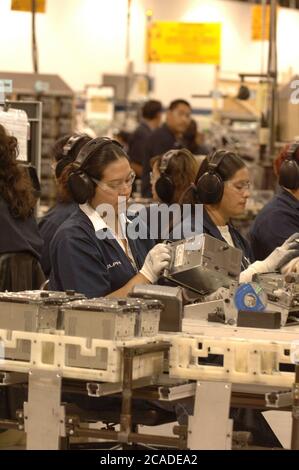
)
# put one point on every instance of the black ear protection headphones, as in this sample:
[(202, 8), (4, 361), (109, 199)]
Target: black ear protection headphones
[(289, 170), (80, 183), (66, 152), (210, 185), (164, 185)]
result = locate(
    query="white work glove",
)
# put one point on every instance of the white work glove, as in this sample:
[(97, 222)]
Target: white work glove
[(291, 267), (157, 260), (283, 254), (276, 260)]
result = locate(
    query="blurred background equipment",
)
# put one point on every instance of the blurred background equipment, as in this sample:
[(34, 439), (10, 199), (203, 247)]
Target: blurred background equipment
[(57, 118)]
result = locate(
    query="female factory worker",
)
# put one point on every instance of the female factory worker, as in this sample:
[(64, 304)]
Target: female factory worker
[(64, 152), (94, 252), (172, 173), (280, 217), (19, 232), (222, 186)]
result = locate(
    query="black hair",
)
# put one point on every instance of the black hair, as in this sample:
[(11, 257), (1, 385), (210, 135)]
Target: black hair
[(174, 104), (15, 184), (151, 108)]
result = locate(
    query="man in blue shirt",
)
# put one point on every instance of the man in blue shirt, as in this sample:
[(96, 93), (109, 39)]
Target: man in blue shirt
[(167, 137), (151, 120)]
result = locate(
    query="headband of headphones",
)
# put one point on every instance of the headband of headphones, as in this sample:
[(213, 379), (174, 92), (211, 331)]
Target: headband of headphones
[(66, 152), (93, 145), (71, 142), (211, 164), (166, 159), (215, 161), (291, 153)]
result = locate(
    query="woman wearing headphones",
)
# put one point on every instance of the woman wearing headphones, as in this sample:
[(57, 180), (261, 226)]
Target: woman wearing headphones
[(280, 217), (96, 250), (223, 187), (172, 174), (64, 152)]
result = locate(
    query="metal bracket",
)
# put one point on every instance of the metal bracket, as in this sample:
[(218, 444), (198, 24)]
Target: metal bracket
[(210, 427), (171, 393), (43, 414), (279, 399), (95, 389), (10, 378)]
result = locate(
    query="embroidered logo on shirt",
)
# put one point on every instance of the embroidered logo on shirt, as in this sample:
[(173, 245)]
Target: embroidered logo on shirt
[(116, 263)]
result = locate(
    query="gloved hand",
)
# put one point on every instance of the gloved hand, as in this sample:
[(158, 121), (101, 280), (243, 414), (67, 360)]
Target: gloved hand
[(283, 254), (291, 267), (275, 261), (156, 260)]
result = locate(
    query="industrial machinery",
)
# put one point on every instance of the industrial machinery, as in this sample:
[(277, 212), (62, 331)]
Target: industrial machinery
[(283, 295), (204, 264)]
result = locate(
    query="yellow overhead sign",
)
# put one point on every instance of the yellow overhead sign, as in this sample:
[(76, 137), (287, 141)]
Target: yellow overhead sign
[(26, 5), (184, 42), (260, 23)]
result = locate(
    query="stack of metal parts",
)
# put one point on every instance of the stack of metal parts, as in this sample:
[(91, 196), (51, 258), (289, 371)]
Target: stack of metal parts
[(283, 295), (67, 330), (114, 319), (108, 319), (32, 311)]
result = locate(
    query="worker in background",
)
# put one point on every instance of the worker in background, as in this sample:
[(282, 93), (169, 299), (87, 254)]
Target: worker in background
[(19, 233), (193, 140), (151, 114), (280, 217), (171, 175), (64, 152), (167, 137), (95, 250), (122, 137)]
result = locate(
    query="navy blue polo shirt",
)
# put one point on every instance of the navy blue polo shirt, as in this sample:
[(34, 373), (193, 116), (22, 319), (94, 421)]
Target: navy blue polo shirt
[(276, 222), (88, 262), (48, 226)]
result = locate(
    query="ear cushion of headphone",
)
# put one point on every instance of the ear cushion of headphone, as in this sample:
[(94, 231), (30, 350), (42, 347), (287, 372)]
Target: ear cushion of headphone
[(165, 189), (289, 175), (210, 188), (81, 187)]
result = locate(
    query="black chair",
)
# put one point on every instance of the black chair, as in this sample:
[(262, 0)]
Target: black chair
[(20, 271)]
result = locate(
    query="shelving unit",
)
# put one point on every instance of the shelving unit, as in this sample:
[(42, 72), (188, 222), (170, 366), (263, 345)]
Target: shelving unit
[(57, 117)]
